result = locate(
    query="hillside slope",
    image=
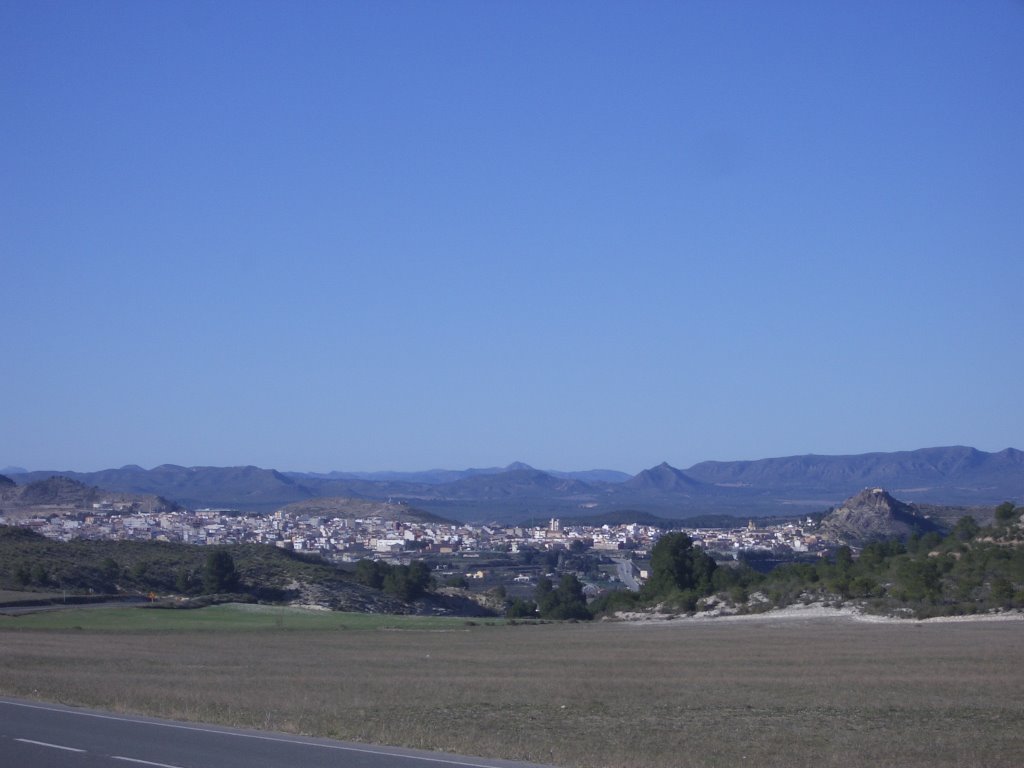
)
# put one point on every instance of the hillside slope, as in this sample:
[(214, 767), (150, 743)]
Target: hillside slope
[(949, 474), (61, 495)]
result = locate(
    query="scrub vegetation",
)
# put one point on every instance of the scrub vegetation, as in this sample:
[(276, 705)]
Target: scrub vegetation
[(972, 569)]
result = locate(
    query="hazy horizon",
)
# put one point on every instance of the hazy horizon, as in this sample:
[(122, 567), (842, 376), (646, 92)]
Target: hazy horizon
[(373, 237), (411, 470)]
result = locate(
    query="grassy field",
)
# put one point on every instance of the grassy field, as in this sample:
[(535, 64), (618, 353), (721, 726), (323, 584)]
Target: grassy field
[(223, 618), (824, 692), (13, 595)]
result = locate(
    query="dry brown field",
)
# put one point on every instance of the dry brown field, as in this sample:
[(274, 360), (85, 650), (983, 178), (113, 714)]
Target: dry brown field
[(814, 692)]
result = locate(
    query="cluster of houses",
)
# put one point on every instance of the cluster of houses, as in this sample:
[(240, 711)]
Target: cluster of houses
[(388, 536)]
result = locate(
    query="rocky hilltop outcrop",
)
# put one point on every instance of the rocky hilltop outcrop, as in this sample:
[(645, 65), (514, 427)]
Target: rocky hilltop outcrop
[(63, 495), (874, 515)]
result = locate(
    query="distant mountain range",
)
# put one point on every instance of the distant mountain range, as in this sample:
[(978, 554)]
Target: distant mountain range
[(956, 469), (795, 484)]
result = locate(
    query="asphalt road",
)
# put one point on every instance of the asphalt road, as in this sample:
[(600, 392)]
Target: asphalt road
[(625, 571), (37, 735)]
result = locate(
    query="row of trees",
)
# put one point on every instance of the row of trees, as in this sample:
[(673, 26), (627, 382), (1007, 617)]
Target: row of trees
[(406, 582), (681, 574), (218, 575), (564, 601)]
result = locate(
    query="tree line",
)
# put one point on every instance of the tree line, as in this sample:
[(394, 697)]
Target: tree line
[(971, 569)]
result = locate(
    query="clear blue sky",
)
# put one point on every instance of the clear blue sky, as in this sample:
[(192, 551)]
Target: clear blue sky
[(403, 235)]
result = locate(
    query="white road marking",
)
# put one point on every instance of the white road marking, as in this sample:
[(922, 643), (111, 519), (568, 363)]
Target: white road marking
[(142, 762), (261, 737), (51, 746)]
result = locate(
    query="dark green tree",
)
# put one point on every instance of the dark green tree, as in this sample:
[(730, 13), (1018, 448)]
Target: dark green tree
[(578, 546), (1002, 590), (521, 609), (184, 581), (872, 555), (844, 559), (109, 569), (544, 596), (420, 578), (1006, 513), (571, 602), (564, 602), (23, 574), (928, 542), (140, 569), (966, 528), (528, 555), (40, 575), (372, 573), (920, 579), (109, 572), (220, 575), (677, 565), (610, 602), (407, 582)]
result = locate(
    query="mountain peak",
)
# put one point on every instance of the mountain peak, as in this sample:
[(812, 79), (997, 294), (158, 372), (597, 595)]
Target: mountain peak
[(875, 498), (516, 466), (663, 478)]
